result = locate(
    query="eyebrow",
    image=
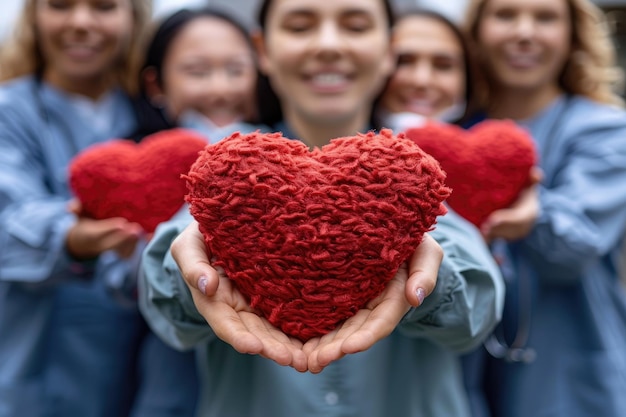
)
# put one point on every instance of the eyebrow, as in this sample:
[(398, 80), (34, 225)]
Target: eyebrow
[(311, 11)]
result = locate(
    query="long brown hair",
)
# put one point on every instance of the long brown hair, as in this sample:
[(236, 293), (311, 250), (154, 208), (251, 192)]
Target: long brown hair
[(591, 70), (21, 55)]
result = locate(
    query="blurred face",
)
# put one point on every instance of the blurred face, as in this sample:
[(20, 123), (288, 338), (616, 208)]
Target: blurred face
[(430, 73), (524, 44), (82, 40), (327, 60), (209, 68)]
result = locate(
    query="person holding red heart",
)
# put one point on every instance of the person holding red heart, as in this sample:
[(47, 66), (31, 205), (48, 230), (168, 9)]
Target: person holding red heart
[(561, 347), (69, 348), (432, 79), (326, 63), (199, 73)]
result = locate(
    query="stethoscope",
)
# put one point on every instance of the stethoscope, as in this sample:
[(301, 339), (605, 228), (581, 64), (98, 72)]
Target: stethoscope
[(519, 351)]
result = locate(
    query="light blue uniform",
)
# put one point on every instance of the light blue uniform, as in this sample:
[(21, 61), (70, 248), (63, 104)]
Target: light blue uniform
[(413, 372), (577, 316), (67, 348)]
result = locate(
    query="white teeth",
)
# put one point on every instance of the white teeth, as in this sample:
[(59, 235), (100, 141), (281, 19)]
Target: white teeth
[(329, 79)]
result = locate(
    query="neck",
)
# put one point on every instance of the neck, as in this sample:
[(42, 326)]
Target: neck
[(519, 104), (316, 134), (92, 88)]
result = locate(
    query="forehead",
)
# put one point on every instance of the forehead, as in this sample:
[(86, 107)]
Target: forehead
[(424, 32), (560, 5), (207, 35), (211, 29), (328, 7)]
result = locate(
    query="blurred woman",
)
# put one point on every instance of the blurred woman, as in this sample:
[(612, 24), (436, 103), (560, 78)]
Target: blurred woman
[(326, 63), (560, 348), (200, 72), (68, 347), (432, 75)]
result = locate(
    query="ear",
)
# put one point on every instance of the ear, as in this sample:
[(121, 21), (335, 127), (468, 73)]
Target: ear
[(259, 44), (152, 87)]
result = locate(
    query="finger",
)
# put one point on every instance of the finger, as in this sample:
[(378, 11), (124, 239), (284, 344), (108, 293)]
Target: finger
[(297, 358), (226, 323), (272, 349), (74, 206), (423, 270), (189, 252), (383, 319), (331, 347), (536, 175)]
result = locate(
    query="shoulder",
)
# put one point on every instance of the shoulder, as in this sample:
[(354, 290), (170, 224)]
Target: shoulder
[(18, 103), (18, 88), (586, 114)]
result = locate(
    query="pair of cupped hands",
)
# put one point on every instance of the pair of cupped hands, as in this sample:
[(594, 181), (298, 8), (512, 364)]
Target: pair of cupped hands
[(228, 314)]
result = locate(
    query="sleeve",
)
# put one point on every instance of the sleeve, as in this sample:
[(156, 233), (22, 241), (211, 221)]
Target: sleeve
[(33, 219), (583, 203), (164, 299), (460, 313), (468, 299)]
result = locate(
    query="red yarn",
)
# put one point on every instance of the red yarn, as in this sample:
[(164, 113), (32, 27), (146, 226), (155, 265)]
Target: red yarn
[(486, 166), (310, 237), (140, 182)]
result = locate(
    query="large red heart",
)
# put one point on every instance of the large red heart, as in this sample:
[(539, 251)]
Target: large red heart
[(486, 166), (137, 181), (309, 237)]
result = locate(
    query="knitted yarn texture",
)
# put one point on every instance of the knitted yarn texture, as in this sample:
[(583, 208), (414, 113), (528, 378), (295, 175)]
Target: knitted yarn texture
[(487, 166), (310, 237), (140, 182)]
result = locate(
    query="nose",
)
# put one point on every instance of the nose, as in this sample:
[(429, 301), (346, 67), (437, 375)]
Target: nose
[(329, 39), (219, 83), (422, 74), (81, 16), (524, 26)]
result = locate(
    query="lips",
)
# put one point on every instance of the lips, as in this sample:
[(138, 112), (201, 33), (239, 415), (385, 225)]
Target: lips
[(424, 107), (80, 51), (328, 82), (522, 60)]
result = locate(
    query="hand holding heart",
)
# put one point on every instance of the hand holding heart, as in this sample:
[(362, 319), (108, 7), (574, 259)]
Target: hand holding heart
[(228, 313), (488, 166), (311, 237), (139, 182)]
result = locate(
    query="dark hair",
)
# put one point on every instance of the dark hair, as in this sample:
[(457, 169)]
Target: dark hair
[(151, 118), (470, 70), (269, 106)]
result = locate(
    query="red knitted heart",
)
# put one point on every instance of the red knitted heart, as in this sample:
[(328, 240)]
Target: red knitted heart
[(486, 166), (309, 237), (140, 182)]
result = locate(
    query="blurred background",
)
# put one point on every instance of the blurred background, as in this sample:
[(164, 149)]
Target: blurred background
[(245, 9)]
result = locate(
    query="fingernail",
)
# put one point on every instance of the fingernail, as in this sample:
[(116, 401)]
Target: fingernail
[(202, 283), (421, 294)]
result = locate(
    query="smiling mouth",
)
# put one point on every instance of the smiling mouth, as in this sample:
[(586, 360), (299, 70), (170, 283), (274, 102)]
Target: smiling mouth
[(80, 52), (328, 82), (522, 61), (423, 107)]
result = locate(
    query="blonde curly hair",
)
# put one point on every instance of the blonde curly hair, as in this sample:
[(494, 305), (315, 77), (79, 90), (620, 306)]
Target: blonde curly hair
[(21, 55), (591, 69)]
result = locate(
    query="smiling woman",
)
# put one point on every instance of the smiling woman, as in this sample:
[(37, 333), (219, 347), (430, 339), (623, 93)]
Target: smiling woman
[(326, 62), (550, 66), (67, 78)]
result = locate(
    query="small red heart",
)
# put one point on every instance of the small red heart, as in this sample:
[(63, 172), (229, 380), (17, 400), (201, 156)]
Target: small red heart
[(140, 182), (486, 166), (309, 237)]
